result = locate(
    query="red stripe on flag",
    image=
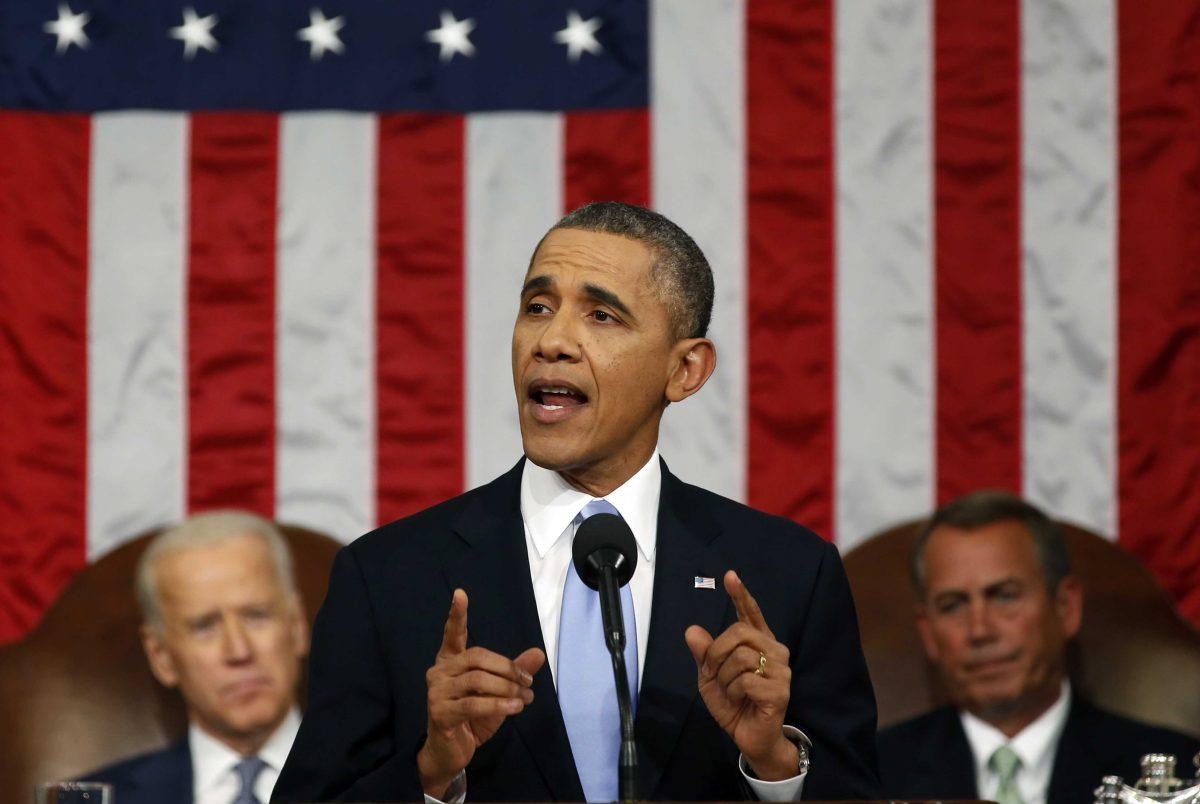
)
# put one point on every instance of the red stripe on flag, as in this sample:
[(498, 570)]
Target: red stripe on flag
[(1158, 385), (419, 317), (231, 311), (790, 229), (43, 361), (978, 287), (607, 157)]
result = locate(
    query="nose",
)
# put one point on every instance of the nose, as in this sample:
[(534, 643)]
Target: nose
[(559, 339), (981, 625), (235, 642)]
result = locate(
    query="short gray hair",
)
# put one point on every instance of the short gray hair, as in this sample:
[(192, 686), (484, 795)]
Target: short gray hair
[(680, 270), (202, 530), (981, 508)]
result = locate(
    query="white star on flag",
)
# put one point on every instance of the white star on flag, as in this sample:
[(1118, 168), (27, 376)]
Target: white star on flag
[(321, 34), (452, 36), (579, 36), (68, 28), (195, 33)]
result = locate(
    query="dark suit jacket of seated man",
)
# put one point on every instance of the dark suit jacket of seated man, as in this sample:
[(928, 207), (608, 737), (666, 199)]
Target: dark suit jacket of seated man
[(610, 330), (997, 605)]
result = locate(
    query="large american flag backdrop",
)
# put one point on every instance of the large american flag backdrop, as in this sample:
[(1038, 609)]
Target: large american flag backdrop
[(267, 254)]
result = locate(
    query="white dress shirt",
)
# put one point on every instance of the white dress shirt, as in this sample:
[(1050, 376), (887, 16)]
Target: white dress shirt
[(548, 507), (214, 779), (1036, 746)]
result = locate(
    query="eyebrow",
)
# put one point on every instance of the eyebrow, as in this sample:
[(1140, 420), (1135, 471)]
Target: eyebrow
[(600, 294), (541, 282), (608, 297)]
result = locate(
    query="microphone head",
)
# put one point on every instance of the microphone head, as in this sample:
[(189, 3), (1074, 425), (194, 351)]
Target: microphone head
[(604, 540)]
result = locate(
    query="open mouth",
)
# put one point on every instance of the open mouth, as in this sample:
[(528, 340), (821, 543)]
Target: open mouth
[(554, 400)]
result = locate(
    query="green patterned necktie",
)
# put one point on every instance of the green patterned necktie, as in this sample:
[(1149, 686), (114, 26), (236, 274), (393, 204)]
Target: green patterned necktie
[(1005, 763)]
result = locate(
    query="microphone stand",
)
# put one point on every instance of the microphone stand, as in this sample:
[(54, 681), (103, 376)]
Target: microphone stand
[(614, 638)]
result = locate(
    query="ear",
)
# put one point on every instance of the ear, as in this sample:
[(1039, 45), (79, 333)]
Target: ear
[(925, 629), (692, 363), (162, 665), (1068, 605)]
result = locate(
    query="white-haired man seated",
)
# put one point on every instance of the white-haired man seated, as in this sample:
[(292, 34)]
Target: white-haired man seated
[(223, 622)]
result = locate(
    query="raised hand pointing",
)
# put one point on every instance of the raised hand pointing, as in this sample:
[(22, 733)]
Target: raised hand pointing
[(471, 692)]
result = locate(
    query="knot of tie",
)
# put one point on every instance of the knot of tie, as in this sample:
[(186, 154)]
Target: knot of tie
[(248, 770), (1005, 763), (597, 507)]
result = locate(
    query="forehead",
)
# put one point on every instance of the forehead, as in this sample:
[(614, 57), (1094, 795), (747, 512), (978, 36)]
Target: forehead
[(977, 557), (228, 572), (620, 260)]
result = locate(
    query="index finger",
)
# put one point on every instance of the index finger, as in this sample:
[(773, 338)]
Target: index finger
[(454, 636), (747, 607)]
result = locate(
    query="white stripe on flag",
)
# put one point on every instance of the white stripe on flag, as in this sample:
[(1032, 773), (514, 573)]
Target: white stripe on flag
[(885, 419), (699, 181), (1069, 286), (514, 194), (136, 379), (326, 316)]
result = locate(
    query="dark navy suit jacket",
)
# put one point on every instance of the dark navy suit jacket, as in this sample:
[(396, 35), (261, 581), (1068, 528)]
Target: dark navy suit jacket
[(929, 757), (381, 625), (155, 778)]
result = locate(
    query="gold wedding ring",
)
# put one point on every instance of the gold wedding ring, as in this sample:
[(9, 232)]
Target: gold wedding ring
[(762, 665)]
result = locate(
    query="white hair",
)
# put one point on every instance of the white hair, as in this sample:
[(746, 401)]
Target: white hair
[(202, 530)]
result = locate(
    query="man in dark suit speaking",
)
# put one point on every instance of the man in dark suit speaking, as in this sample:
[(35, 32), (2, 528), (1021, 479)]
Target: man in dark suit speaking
[(514, 697)]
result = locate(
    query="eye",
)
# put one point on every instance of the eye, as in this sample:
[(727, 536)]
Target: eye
[(258, 614), (950, 606), (603, 316), (203, 627), (536, 308)]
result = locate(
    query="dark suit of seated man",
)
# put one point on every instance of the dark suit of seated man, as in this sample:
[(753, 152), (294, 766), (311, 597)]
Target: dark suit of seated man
[(222, 622), (407, 701), (996, 606)]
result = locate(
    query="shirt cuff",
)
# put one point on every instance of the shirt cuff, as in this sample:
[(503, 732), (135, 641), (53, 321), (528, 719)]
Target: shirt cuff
[(784, 789), (456, 793)]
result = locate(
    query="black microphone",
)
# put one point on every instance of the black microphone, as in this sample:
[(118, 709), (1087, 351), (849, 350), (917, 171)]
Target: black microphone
[(605, 555)]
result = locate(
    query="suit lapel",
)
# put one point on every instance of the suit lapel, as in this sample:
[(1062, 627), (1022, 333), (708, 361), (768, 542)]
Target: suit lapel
[(492, 564), (169, 778), (684, 550), (1072, 759), (945, 765)]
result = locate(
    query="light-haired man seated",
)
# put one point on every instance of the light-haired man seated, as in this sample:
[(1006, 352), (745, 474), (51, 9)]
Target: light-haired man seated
[(222, 622), (996, 606)]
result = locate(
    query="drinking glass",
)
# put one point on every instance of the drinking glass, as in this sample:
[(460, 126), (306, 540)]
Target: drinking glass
[(74, 793)]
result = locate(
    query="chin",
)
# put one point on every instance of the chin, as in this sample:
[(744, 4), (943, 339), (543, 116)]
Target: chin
[(552, 454), (994, 701), (259, 720)]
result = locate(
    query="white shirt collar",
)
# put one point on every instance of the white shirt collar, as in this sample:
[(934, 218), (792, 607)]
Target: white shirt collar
[(549, 503), (213, 759), (1034, 744)]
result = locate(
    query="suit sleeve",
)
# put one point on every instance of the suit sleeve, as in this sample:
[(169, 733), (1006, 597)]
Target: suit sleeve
[(345, 750), (832, 699)]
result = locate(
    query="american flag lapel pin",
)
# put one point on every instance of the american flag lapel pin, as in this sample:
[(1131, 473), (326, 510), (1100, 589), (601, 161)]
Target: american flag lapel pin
[(705, 583)]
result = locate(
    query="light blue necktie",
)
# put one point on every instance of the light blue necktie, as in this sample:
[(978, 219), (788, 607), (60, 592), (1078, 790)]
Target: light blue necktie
[(587, 692), (248, 770)]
